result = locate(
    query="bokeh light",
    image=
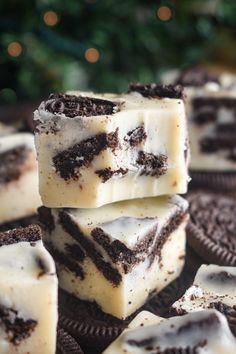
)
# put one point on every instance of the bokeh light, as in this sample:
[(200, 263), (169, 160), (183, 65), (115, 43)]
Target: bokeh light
[(51, 18), (164, 13), (14, 49), (92, 55)]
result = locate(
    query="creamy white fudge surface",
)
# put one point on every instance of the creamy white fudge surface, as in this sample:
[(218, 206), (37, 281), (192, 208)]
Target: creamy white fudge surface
[(214, 287), (143, 319), (19, 194), (28, 294), (118, 254), (199, 332), (210, 108), (97, 149)]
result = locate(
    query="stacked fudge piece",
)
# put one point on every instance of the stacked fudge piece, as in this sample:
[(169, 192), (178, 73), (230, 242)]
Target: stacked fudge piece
[(18, 179), (109, 168), (28, 293), (211, 107)]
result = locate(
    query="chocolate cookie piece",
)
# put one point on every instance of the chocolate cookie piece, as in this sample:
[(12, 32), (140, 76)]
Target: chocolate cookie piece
[(66, 344), (214, 180), (158, 91), (212, 228)]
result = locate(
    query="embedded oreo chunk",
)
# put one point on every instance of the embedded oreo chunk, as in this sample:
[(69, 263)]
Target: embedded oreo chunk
[(92, 160), (104, 252), (213, 287), (18, 177), (198, 332), (74, 106), (27, 275), (212, 227)]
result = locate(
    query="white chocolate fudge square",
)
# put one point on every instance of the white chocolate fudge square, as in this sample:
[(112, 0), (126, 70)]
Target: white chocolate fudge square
[(28, 294), (199, 332), (118, 254), (99, 149), (19, 194), (213, 287)]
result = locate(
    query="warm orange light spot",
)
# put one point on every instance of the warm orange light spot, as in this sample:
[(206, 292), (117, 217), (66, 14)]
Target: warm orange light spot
[(92, 55), (51, 18), (164, 13), (14, 49)]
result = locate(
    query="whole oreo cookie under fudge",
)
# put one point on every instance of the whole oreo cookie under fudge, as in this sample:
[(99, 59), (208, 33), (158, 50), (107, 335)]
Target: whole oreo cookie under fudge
[(211, 230), (66, 344), (98, 149)]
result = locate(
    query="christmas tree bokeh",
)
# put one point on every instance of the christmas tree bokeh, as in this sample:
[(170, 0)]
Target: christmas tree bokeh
[(58, 45)]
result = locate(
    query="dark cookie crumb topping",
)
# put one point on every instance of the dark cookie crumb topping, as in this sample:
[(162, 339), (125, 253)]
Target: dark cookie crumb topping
[(158, 91), (11, 163), (79, 106), (31, 233), (17, 328)]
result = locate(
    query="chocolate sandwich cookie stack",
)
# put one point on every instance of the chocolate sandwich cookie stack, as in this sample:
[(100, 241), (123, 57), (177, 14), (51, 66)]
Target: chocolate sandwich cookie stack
[(211, 108), (110, 169)]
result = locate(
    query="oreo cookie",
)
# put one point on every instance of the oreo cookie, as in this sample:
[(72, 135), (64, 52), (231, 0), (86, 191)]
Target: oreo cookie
[(66, 344), (212, 227), (213, 181)]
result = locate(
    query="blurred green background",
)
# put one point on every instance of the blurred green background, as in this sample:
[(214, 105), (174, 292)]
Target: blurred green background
[(57, 45)]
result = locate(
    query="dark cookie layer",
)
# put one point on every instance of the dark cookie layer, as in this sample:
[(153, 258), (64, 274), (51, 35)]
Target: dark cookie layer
[(78, 106), (31, 233), (214, 180), (11, 162), (152, 165), (212, 227), (65, 261), (158, 91), (196, 77), (16, 328), (68, 162), (110, 273), (32, 219), (66, 344)]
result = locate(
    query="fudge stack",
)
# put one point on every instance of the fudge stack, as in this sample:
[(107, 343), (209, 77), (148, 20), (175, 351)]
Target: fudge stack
[(110, 169)]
